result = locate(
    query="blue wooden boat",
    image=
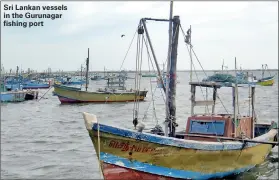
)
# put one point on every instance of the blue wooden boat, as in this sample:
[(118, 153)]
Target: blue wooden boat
[(35, 85), (11, 87), (9, 96), (12, 82), (16, 95)]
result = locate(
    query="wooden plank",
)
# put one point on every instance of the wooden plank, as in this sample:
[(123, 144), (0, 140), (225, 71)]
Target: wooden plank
[(231, 139), (203, 103), (206, 84)]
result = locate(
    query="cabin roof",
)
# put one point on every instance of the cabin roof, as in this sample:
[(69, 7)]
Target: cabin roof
[(206, 84)]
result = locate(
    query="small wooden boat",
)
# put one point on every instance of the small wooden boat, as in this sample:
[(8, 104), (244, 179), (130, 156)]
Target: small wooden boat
[(67, 94), (17, 95), (212, 146), (267, 81), (35, 85)]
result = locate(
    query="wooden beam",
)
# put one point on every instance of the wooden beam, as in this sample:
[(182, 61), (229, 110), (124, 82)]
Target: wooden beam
[(203, 103), (231, 139)]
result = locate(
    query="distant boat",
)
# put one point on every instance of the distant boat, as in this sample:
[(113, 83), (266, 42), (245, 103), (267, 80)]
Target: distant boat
[(16, 95), (263, 81), (35, 85), (14, 81), (148, 75), (96, 77), (266, 81), (70, 95), (69, 81)]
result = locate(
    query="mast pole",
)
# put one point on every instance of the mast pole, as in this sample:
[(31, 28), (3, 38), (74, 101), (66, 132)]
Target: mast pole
[(254, 118), (87, 68), (168, 70), (191, 59), (234, 100), (172, 76), (80, 74)]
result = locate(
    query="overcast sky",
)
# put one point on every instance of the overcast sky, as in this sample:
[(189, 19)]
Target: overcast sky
[(220, 30)]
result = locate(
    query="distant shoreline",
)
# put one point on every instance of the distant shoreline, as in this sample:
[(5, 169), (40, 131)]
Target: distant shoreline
[(133, 71), (146, 71)]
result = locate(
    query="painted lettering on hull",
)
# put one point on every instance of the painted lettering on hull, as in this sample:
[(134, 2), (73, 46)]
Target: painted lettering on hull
[(125, 146)]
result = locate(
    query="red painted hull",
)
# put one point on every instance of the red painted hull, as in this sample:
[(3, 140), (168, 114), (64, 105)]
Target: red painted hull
[(113, 172)]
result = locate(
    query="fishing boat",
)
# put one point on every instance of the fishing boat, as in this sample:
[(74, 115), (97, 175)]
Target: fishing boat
[(33, 84), (96, 77), (70, 95), (263, 81), (12, 90), (12, 82), (212, 146), (16, 95), (266, 81)]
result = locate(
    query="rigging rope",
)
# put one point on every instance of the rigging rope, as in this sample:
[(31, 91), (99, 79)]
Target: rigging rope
[(128, 50), (203, 69), (152, 95), (138, 71)]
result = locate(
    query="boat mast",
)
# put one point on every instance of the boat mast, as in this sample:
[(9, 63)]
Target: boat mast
[(168, 69), (172, 75), (234, 99), (80, 72), (264, 68), (86, 75)]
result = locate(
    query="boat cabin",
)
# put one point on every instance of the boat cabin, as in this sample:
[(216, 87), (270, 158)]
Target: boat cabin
[(206, 127)]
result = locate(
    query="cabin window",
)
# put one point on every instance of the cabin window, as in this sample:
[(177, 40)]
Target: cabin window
[(207, 127)]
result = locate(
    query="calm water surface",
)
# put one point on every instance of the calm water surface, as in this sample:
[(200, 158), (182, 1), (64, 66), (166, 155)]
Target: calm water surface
[(44, 139)]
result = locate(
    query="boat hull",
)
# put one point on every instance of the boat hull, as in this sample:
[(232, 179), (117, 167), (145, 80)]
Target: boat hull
[(175, 158), (114, 172), (268, 82), (67, 95), (35, 86), (12, 97)]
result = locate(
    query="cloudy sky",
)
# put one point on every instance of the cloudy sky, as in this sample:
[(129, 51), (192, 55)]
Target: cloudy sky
[(220, 30)]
